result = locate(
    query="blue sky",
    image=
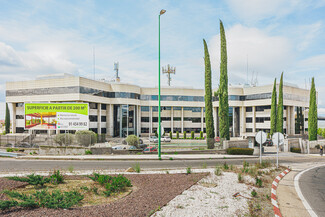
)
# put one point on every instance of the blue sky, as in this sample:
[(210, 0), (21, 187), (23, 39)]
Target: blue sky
[(47, 37)]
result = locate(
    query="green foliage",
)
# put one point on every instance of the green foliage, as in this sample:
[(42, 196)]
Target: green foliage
[(225, 166), (204, 165), (188, 170), (9, 149), (86, 137), (132, 140), (184, 135), (223, 87), (240, 151), (56, 177), (170, 134), (171, 158), (264, 164), (320, 131), (88, 152), (245, 164), (201, 134), (295, 150), (46, 199), (137, 168), (156, 134), (279, 121), (64, 139), (258, 182), (177, 135), (7, 204), (323, 134), (112, 184), (208, 95), (254, 193), (240, 178), (273, 110), (218, 171), (71, 168), (192, 135), (312, 114), (32, 179), (7, 119)]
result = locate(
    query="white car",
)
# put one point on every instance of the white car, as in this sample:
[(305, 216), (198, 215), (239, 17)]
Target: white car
[(165, 139), (153, 139)]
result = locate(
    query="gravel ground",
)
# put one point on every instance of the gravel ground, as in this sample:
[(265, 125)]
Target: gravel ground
[(212, 196), (153, 191)]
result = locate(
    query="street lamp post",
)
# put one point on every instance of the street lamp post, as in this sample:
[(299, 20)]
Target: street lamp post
[(159, 124)]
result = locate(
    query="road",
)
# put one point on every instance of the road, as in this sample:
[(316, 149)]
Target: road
[(16, 165), (312, 186)]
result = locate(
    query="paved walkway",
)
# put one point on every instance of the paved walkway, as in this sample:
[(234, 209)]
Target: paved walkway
[(138, 157)]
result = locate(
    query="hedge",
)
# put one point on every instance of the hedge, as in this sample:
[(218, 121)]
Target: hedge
[(240, 151), (295, 150)]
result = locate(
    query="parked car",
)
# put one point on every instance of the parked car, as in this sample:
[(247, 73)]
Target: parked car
[(143, 146), (133, 147), (268, 142), (150, 149), (165, 139), (119, 147), (217, 139), (153, 139)]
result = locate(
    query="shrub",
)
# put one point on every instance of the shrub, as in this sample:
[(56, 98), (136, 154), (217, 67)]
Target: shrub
[(64, 139), (7, 204), (137, 167), (201, 134), (188, 170), (171, 158), (88, 152), (184, 135), (240, 178), (254, 193), (218, 171), (171, 134), (156, 134), (295, 150), (56, 178), (258, 182), (177, 135), (225, 166), (240, 151), (86, 137), (32, 179), (192, 134), (132, 140), (317, 146), (9, 149)]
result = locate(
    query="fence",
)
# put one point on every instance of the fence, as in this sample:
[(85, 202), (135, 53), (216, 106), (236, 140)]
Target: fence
[(36, 140)]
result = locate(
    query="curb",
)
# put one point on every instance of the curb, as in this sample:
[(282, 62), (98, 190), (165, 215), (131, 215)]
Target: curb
[(274, 201)]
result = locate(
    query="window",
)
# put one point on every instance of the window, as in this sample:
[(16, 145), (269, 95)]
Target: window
[(20, 104), (165, 118), (103, 130), (93, 105), (193, 109), (249, 120), (267, 119), (103, 118), (144, 108), (154, 108), (249, 109), (144, 130), (154, 119), (19, 116), (19, 130), (187, 119), (177, 108), (259, 120), (262, 108), (103, 106), (196, 120), (92, 118), (177, 118), (144, 119), (249, 130), (93, 129)]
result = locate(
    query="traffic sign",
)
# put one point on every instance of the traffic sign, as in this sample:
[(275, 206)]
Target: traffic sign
[(277, 139), (260, 137)]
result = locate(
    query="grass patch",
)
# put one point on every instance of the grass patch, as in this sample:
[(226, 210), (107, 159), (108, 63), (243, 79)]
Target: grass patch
[(137, 168)]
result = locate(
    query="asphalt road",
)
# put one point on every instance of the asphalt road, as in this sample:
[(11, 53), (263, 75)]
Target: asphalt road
[(16, 165), (312, 186)]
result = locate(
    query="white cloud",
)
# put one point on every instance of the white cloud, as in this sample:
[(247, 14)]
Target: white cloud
[(267, 55)]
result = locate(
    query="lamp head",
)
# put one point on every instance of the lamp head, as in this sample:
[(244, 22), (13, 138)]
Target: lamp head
[(162, 11)]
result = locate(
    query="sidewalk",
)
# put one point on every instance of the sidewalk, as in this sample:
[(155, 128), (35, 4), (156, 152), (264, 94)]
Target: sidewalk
[(288, 199), (139, 157)]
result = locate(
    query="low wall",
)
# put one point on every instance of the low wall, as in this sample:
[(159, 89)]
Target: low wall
[(101, 150), (23, 150), (236, 143), (62, 150)]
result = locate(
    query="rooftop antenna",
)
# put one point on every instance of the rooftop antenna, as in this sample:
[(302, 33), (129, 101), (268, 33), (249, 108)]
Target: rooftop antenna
[(94, 70), (116, 66), (169, 70)]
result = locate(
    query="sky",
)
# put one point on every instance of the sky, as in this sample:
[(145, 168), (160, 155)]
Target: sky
[(264, 38)]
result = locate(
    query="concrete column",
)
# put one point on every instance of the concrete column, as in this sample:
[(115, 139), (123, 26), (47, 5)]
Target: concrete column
[(254, 119), (293, 126), (202, 116), (13, 125), (304, 116), (214, 114), (182, 120), (150, 120), (110, 117), (99, 118), (235, 122), (242, 111), (138, 120), (172, 119)]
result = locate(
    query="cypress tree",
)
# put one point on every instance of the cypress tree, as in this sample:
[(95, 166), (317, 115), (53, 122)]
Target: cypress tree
[(7, 119), (208, 99), (273, 109), (223, 87), (312, 114), (279, 121)]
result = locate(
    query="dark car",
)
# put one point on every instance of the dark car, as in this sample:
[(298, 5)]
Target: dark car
[(268, 142), (143, 146)]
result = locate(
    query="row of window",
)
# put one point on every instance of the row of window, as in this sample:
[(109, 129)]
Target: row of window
[(176, 108), (155, 119), (167, 130)]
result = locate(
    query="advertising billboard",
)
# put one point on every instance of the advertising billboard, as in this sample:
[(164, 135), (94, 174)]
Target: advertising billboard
[(52, 116)]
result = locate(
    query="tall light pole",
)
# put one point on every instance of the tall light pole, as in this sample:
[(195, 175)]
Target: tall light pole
[(159, 122)]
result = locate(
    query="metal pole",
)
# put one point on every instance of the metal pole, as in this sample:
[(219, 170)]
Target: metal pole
[(159, 130), (261, 149)]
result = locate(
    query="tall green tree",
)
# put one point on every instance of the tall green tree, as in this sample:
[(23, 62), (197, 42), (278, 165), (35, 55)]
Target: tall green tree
[(273, 109), (7, 119), (279, 120), (312, 114), (208, 99), (223, 87)]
